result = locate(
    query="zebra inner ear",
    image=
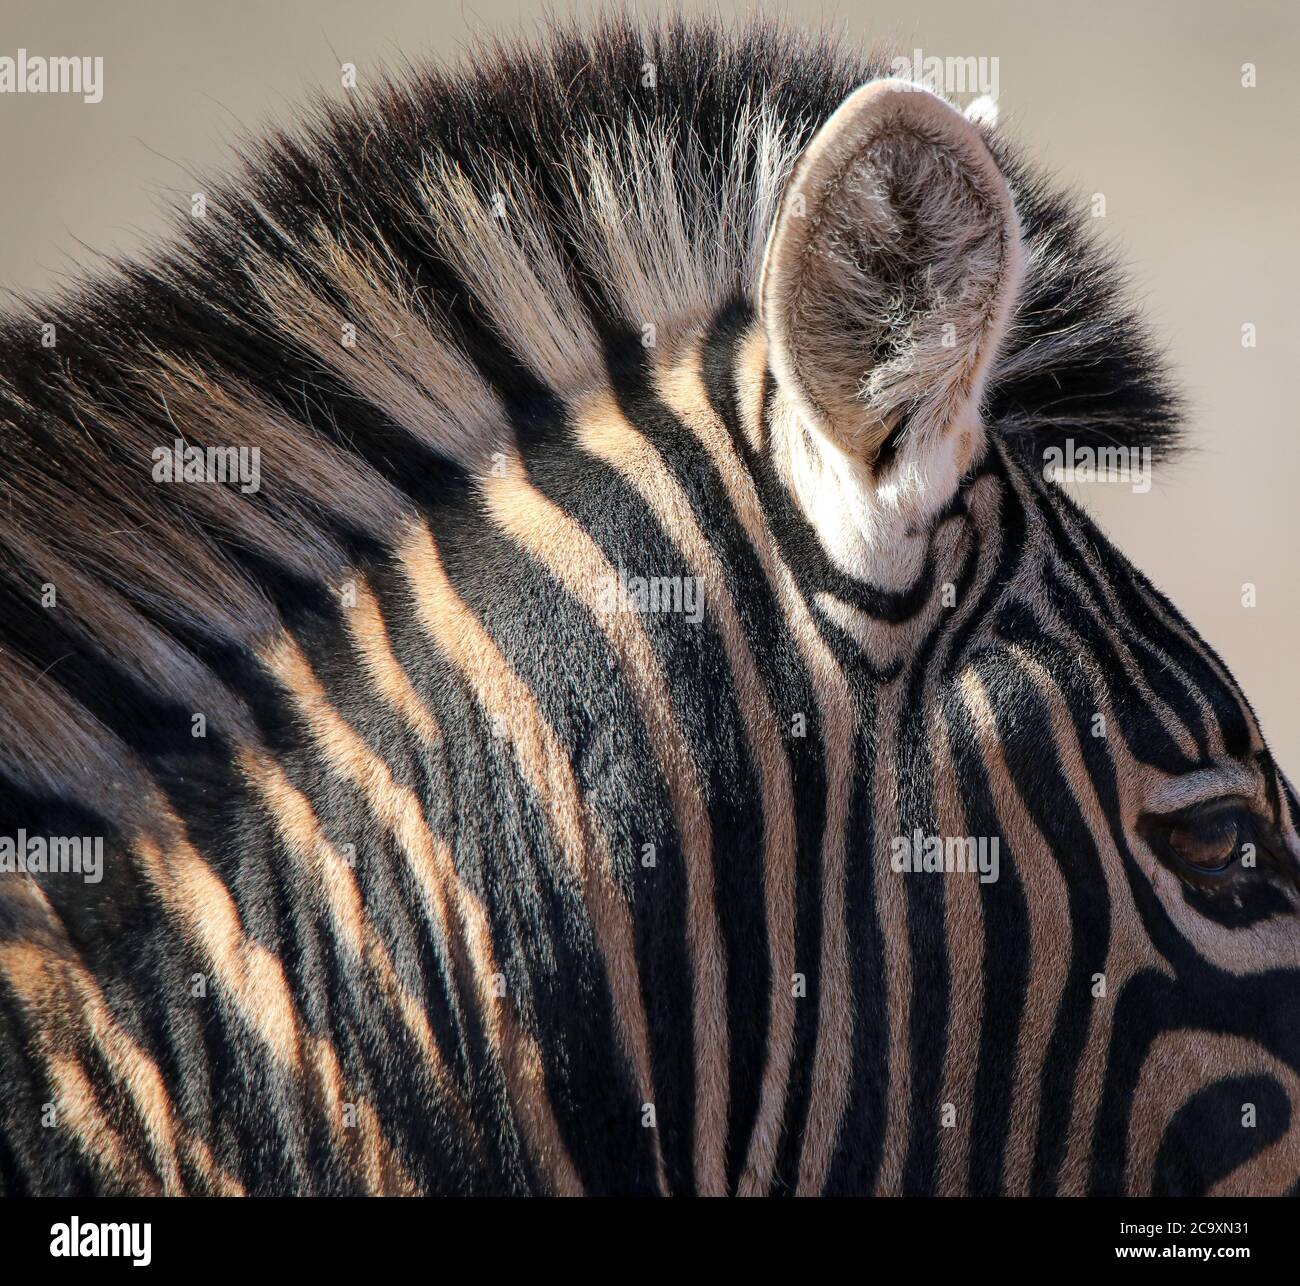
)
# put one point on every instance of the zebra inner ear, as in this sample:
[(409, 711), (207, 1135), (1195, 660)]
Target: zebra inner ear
[(891, 271)]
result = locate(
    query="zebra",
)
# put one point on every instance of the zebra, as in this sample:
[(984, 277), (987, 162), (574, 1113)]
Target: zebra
[(636, 717)]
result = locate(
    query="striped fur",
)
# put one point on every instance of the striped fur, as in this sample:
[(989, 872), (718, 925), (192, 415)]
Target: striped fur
[(477, 883)]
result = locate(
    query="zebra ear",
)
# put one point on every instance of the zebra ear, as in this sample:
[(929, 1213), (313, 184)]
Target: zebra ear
[(891, 271)]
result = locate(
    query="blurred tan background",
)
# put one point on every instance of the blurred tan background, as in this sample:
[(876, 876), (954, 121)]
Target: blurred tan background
[(1139, 101)]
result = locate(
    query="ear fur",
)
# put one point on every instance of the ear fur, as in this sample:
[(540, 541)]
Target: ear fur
[(891, 271)]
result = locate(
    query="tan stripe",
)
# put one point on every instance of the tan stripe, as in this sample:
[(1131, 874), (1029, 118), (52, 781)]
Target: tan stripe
[(1271, 1173), (544, 761), (1104, 611), (751, 384), (552, 537), (1130, 948), (77, 1107), (322, 863), (47, 987), (602, 430), (361, 1138), (1047, 907), (891, 908), (252, 977), (1195, 643), (963, 909), (366, 625), (963, 895), (66, 1005), (219, 1182), (1181, 630), (429, 860), (883, 644), (1192, 1060), (680, 385)]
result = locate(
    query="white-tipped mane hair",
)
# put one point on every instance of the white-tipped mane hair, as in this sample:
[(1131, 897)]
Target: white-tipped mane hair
[(386, 297)]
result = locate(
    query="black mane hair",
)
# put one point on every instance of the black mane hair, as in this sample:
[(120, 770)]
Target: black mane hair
[(76, 418)]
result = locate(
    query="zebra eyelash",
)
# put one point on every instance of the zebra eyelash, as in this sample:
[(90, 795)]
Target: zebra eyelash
[(1200, 808)]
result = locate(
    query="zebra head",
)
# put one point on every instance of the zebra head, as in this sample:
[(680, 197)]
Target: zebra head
[(645, 720), (1112, 1002)]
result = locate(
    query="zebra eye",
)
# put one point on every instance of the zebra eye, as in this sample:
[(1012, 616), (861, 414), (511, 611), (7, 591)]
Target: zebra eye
[(1202, 842), (1210, 847)]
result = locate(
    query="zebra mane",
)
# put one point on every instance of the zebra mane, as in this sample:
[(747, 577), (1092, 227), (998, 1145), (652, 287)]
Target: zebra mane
[(380, 299)]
